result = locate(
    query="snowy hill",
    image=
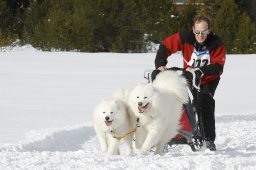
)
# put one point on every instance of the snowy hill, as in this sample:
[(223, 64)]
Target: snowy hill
[(47, 100)]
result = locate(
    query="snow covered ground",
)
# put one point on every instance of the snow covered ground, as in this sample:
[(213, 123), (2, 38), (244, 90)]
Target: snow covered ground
[(47, 100)]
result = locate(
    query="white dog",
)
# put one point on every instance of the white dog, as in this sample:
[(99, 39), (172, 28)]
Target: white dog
[(158, 106), (112, 123)]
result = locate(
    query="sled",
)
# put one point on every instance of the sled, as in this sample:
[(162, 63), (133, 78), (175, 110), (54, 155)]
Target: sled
[(191, 132)]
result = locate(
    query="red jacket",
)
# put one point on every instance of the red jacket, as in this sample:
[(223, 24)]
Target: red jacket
[(209, 57)]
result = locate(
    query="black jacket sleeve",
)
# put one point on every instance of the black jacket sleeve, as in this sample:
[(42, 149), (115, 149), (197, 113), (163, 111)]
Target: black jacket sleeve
[(161, 59), (212, 69)]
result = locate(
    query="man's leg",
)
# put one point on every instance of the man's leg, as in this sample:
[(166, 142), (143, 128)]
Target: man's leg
[(208, 116), (208, 113)]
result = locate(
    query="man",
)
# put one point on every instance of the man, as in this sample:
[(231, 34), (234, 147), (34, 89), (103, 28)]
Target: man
[(204, 58)]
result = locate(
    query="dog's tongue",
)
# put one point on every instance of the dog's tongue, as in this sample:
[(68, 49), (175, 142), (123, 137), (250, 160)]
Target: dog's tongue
[(143, 109), (108, 123)]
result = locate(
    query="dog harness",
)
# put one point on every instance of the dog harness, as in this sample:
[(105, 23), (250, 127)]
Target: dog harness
[(121, 137), (128, 133)]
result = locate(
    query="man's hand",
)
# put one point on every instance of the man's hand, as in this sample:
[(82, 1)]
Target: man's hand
[(195, 75), (162, 68)]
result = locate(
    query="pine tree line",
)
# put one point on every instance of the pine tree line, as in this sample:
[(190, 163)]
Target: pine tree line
[(119, 25)]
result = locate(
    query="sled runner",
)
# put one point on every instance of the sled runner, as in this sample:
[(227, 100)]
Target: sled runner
[(191, 132)]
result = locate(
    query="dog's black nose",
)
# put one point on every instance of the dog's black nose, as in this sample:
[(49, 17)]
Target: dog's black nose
[(140, 103), (106, 118)]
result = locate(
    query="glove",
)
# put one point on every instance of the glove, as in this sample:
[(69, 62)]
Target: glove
[(195, 75)]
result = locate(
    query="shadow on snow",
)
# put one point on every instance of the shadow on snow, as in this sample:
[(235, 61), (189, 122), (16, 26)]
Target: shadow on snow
[(64, 140)]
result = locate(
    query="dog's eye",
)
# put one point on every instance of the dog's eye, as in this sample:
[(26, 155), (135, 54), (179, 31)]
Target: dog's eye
[(103, 112), (111, 112), (145, 97), (138, 97)]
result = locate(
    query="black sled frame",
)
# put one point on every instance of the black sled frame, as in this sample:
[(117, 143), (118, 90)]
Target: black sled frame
[(193, 112)]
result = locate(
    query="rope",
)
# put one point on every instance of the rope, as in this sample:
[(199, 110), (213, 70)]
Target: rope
[(121, 137)]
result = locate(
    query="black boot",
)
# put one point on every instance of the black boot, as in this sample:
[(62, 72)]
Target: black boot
[(210, 145)]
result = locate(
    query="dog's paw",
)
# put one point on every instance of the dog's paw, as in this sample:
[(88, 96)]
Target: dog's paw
[(139, 154), (128, 152), (144, 151), (104, 150), (113, 153)]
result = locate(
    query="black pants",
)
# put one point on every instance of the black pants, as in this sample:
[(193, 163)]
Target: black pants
[(207, 106)]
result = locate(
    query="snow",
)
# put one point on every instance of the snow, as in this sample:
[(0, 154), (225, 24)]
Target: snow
[(47, 100)]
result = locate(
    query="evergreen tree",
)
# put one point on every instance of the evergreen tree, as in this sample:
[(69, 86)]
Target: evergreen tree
[(123, 26), (205, 7), (18, 8), (7, 36), (91, 25), (187, 15), (129, 30), (245, 41), (59, 24), (118, 26), (208, 7), (159, 20), (248, 6), (226, 23)]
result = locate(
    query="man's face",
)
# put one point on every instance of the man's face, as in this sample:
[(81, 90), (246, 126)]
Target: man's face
[(201, 31)]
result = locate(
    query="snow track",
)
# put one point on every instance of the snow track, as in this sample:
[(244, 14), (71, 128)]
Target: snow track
[(78, 148)]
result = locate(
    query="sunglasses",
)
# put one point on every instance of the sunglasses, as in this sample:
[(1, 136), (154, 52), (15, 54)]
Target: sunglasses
[(205, 32)]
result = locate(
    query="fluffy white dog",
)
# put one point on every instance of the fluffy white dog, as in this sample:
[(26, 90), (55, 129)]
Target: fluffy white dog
[(158, 106), (113, 123)]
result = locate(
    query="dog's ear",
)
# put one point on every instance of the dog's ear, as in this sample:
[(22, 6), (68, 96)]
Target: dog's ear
[(113, 101), (105, 98)]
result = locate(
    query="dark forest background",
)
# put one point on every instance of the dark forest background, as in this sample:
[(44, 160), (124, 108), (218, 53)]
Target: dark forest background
[(121, 25)]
